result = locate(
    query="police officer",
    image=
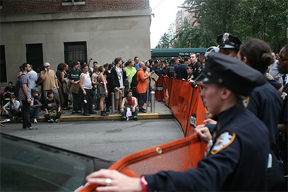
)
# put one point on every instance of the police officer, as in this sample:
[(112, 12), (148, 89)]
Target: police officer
[(229, 44), (157, 68), (283, 122), (165, 69), (174, 64), (197, 67), (264, 101), (239, 154)]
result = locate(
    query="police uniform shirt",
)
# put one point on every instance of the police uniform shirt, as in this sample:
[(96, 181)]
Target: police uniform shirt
[(265, 102), (172, 69), (197, 69), (158, 70), (165, 71), (182, 71), (237, 161), (273, 82)]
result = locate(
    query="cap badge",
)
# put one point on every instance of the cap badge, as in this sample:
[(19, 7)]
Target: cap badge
[(225, 37), (220, 80)]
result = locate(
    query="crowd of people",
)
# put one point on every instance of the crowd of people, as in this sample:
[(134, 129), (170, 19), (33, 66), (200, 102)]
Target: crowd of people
[(244, 88), (89, 88)]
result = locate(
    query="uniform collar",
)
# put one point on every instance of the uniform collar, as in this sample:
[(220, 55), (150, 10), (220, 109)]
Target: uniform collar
[(226, 116)]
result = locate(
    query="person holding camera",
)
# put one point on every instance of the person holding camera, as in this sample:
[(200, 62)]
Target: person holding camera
[(12, 108)]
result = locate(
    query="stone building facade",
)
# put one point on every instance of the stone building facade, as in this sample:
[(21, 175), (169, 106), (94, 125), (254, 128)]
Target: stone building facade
[(55, 31)]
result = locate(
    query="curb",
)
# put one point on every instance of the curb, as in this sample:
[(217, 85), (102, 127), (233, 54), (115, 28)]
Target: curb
[(104, 118)]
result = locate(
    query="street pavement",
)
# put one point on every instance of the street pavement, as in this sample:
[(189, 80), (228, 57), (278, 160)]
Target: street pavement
[(112, 139)]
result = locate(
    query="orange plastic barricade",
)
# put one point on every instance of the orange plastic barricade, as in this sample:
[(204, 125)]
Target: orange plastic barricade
[(179, 155), (180, 101), (197, 112), (159, 89), (167, 85)]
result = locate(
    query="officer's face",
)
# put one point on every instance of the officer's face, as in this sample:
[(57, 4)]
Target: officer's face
[(212, 97), (228, 52), (283, 62), (193, 58)]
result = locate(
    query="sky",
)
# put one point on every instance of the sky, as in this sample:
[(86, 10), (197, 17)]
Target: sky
[(165, 13)]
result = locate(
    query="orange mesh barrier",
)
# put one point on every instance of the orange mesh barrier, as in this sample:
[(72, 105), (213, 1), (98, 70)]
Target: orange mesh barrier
[(179, 155), (180, 101), (167, 86), (197, 112), (159, 89), (187, 105)]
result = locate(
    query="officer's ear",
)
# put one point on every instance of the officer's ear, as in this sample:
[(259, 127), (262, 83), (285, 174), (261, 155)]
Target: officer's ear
[(225, 93), (245, 60)]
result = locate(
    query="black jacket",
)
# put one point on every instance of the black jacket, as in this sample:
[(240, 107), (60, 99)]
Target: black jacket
[(114, 77)]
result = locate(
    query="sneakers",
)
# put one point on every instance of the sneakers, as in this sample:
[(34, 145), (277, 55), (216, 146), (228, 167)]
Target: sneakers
[(79, 111), (142, 110), (35, 120), (30, 128), (103, 113), (56, 120), (116, 112), (74, 112), (86, 114), (51, 121), (93, 112), (123, 119), (135, 119)]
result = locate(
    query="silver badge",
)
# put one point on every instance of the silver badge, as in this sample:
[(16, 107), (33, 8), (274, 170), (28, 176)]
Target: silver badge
[(283, 95), (225, 36)]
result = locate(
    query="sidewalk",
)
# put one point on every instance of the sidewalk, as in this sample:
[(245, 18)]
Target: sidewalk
[(161, 112)]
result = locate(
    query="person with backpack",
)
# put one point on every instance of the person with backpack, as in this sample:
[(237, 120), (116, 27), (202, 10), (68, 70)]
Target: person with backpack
[(130, 70), (134, 84), (25, 97)]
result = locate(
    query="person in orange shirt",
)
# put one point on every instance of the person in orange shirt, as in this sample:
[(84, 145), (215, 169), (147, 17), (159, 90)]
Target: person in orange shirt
[(142, 86)]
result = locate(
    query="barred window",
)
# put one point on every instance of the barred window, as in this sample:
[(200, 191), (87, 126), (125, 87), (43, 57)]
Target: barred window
[(75, 51), (34, 55), (3, 64)]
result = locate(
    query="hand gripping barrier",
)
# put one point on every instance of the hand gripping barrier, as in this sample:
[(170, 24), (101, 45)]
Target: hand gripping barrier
[(179, 155)]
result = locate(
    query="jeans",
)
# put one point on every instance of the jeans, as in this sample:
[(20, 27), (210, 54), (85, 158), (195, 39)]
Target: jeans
[(89, 101), (54, 118), (26, 114), (141, 99), (34, 113), (135, 114), (76, 102), (14, 113)]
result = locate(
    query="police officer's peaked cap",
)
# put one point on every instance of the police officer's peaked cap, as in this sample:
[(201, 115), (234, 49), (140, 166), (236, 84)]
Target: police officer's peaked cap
[(228, 41), (231, 73)]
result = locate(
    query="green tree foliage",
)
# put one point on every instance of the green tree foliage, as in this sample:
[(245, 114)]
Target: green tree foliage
[(164, 42), (266, 20), (262, 19)]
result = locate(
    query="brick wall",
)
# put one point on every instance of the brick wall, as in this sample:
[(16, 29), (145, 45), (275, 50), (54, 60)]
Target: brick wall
[(55, 6)]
